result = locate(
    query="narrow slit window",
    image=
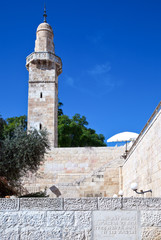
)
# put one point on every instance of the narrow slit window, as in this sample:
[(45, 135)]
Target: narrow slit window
[(41, 95), (40, 126)]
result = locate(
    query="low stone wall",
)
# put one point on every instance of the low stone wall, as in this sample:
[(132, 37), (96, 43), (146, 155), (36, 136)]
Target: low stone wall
[(80, 219)]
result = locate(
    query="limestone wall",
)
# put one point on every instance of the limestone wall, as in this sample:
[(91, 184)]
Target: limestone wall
[(43, 98), (80, 219), (79, 172), (143, 164)]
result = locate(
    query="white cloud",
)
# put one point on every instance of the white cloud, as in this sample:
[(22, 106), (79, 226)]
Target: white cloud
[(101, 74), (100, 77), (100, 69)]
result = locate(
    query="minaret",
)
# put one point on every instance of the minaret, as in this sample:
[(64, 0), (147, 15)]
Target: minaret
[(44, 68)]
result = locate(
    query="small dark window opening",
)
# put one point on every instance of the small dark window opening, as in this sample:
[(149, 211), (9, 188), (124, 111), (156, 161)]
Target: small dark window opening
[(40, 126), (41, 95)]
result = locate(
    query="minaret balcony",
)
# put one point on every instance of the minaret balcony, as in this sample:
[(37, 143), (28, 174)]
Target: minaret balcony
[(44, 56)]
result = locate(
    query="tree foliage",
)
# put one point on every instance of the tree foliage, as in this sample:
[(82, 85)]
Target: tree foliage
[(14, 122), (74, 132), (60, 110), (21, 152), (2, 126)]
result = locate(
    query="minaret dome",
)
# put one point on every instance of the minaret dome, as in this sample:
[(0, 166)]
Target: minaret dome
[(44, 38)]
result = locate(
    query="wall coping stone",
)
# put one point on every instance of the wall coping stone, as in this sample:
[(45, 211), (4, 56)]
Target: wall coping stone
[(79, 204), (9, 204), (41, 204)]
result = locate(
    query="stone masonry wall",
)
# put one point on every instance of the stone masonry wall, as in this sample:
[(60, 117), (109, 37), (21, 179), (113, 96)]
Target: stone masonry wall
[(79, 172), (143, 164), (43, 98), (80, 219)]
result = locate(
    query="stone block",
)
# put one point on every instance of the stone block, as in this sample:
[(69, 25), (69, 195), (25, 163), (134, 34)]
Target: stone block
[(36, 234), (60, 219), (141, 203), (7, 204), (115, 225), (9, 220), (151, 218), (133, 203), (9, 234), (74, 234), (80, 204), (41, 204), (83, 219), (149, 203), (109, 203), (54, 233), (151, 233), (88, 234), (32, 219)]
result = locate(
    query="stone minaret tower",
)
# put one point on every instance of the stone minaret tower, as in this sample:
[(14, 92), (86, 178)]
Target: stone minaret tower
[(44, 68)]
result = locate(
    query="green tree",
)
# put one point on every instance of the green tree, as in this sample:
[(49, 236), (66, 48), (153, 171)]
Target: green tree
[(60, 110), (22, 152), (2, 125), (14, 122), (74, 132)]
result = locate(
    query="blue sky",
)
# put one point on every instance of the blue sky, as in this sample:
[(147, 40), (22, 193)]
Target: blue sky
[(111, 54)]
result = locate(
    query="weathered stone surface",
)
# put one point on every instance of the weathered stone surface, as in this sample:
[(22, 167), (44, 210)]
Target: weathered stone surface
[(22, 219), (114, 219), (54, 233), (83, 219), (8, 220), (60, 219), (152, 233), (32, 219), (88, 234), (131, 203), (142, 203), (9, 234), (9, 204), (38, 234), (41, 204), (149, 203), (32, 234), (151, 218), (115, 225), (74, 234), (109, 203), (80, 204)]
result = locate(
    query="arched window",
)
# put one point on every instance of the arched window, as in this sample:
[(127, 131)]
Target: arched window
[(41, 95)]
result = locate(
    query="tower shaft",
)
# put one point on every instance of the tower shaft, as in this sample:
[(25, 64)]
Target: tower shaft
[(44, 67)]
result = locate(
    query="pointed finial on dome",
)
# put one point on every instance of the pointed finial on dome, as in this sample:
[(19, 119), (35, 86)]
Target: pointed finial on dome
[(45, 15)]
